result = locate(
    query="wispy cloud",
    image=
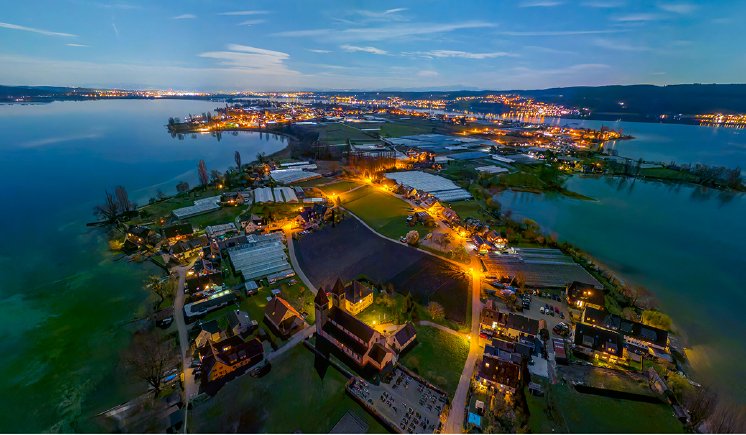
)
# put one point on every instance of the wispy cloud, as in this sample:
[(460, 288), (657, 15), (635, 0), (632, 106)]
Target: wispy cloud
[(77, 45), (427, 73), (116, 30), (249, 58), (318, 50), (358, 49), (58, 139), (678, 8), (251, 22), (35, 30), (539, 4), (388, 14), (610, 44), (641, 17), (120, 6), (385, 32), (243, 13), (603, 4), (184, 17), (463, 54), (562, 32)]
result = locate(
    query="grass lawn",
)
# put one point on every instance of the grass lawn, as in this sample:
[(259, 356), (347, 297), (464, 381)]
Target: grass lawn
[(223, 216), (333, 134), (668, 174), (381, 313), (383, 212), (292, 398), (438, 356), (312, 183), (588, 413), (338, 187), (466, 209)]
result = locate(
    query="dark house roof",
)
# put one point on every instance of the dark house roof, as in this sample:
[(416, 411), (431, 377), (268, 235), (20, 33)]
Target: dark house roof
[(500, 371), (138, 231), (276, 310), (406, 333), (238, 318), (231, 351), (212, 326), (351, 324), (356, 291), (378, 353), (629, 328), (599, 339), (580, 291), (522, 324), (321, 298), (345, 338), (183, 229)]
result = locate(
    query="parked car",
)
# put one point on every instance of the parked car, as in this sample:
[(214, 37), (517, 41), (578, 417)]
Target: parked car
[(541, 310), (562, 315), (556, 309)]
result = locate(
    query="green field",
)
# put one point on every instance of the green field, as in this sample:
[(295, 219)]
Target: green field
[(438, 356), (338, 187), (223, 216), (292, 398), (587, 413), (384, 212), (466, 209), (339, 133), (668, 174)]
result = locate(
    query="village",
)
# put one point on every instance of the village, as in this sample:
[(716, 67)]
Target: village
[(388, 271)]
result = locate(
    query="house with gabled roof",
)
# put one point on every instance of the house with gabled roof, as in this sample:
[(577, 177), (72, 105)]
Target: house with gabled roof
[(282, 318), (580, 295), (355, 296), (228, 356), (403, 338)]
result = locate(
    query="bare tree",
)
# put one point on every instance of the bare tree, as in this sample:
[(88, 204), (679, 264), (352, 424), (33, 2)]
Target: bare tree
[(727, 418), (182, 187), (148, 358), (123, 199), (204, 178), (160, 287), (109, 210), (436, 311), (701, 403), (216, 176), (237, 158)]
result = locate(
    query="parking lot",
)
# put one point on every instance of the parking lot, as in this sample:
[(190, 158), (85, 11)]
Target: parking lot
[(405, 401), (534, 312)]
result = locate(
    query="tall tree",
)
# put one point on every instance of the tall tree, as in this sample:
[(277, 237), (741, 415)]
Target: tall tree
[(204, 177), (701, 403), (109, 210), (237, 158), (148, 358), (160, 287), (123, 199), (182, 187)]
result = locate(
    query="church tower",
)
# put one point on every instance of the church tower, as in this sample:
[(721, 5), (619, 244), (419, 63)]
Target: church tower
[(321, 306)]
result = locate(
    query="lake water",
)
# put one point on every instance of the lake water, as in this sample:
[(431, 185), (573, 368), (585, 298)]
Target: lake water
[(67, 302), (685, 244), (681, 143)]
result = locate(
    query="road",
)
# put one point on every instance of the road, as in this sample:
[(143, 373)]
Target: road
[(190, 387), (298, 337), (294, 262), (442, 328), (455, 423)]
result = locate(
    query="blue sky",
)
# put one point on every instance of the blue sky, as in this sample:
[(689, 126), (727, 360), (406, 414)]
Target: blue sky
[(283, 45)]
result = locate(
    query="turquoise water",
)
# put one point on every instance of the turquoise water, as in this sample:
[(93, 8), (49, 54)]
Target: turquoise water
[(67, 301), (685, 244), (681, 143)]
